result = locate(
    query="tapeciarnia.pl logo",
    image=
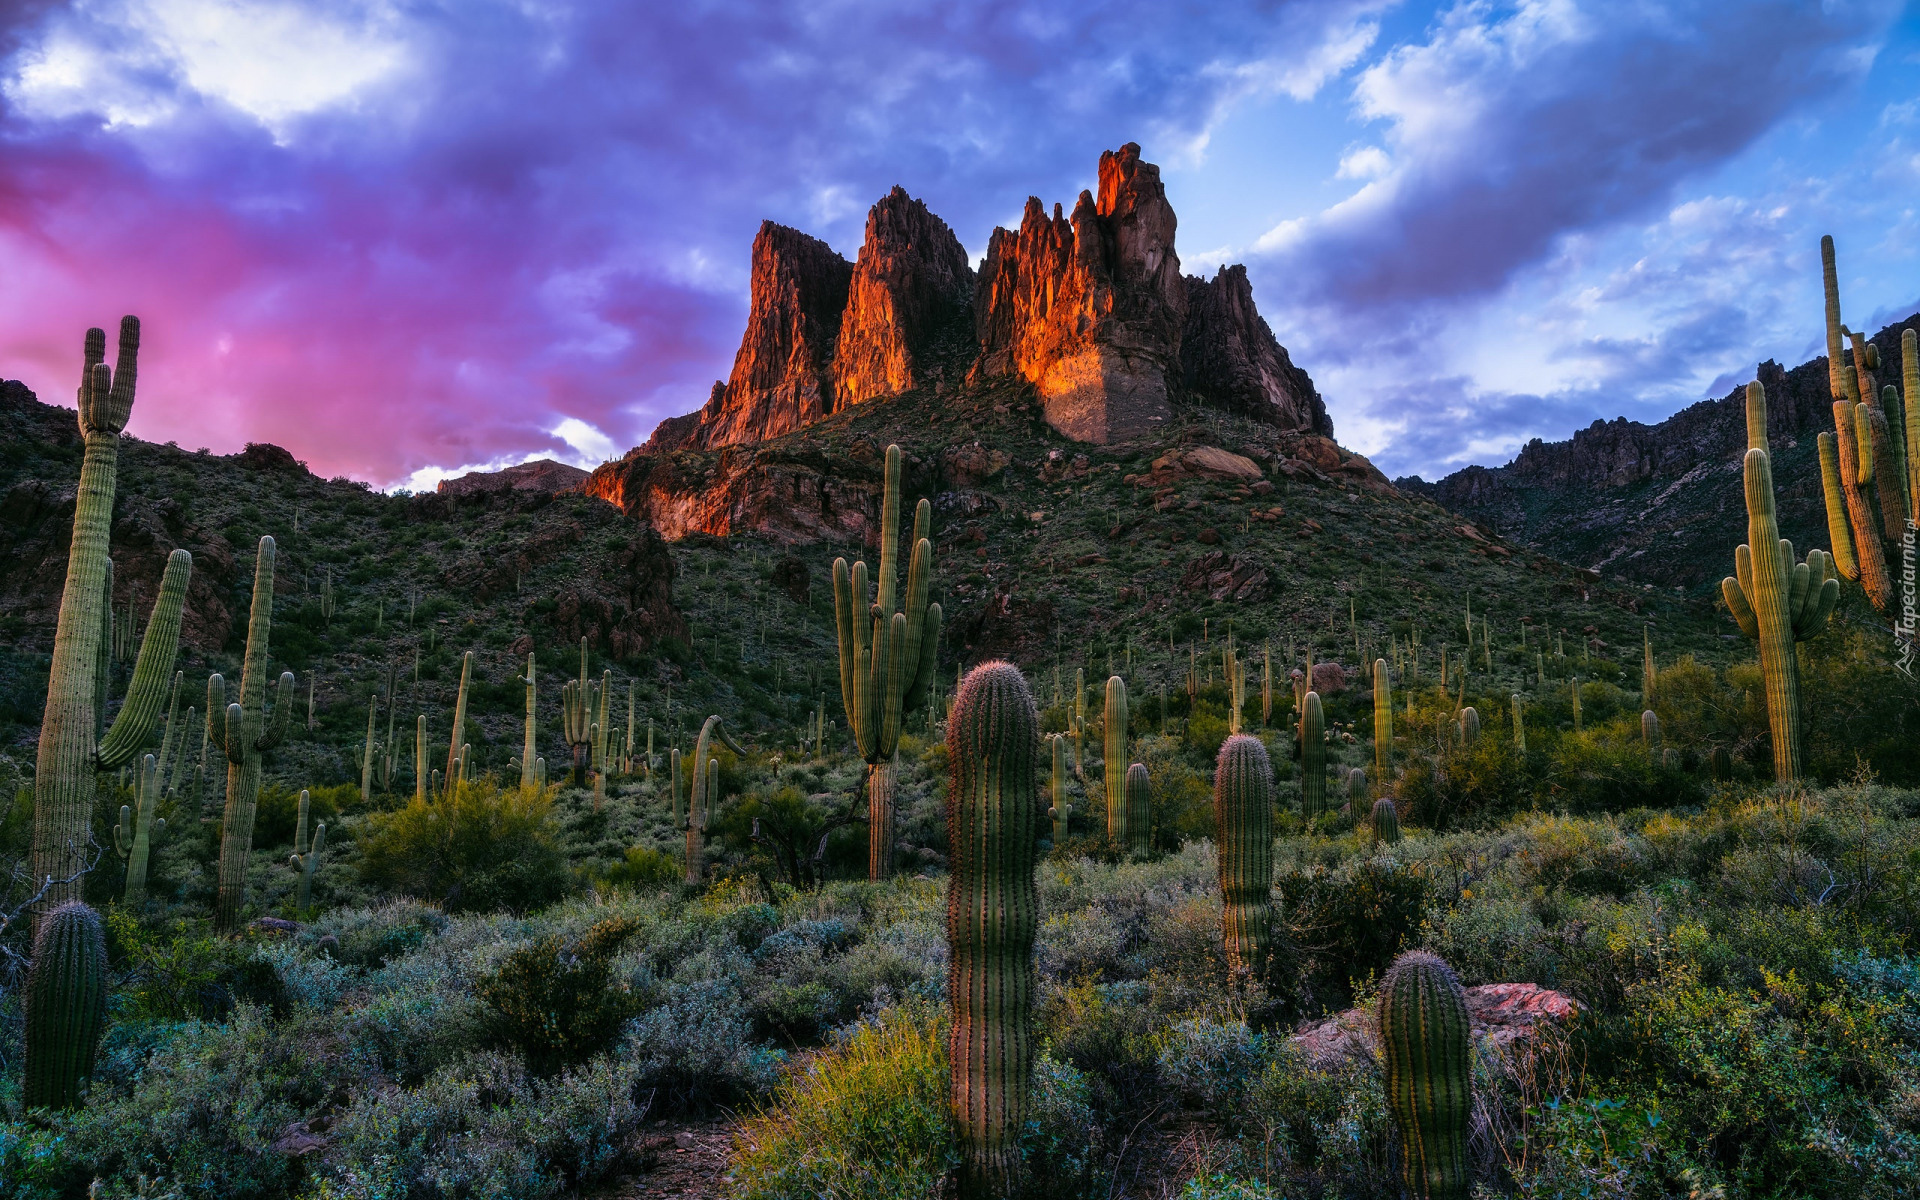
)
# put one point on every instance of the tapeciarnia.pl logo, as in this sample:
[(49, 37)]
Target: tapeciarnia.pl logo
[(1903, 629)]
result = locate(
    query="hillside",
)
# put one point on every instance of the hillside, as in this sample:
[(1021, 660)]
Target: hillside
[(1662, 504)]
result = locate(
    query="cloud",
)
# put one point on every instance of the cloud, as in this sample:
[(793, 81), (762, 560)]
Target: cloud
[(393, 235)]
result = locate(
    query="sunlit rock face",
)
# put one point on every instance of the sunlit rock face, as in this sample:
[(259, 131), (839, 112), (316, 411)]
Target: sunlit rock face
[(1091, 310), (782, 374), (910, 284)]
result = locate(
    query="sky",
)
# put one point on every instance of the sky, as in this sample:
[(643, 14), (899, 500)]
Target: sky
[(404, 238)]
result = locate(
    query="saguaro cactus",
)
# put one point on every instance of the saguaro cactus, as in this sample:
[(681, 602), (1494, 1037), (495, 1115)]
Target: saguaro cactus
[(1062, 809), (1469, 725), (1426, 1049), (1114, 765), (139, 829), (1356, 790), (1650, 734), (1382, 722), (245, 731), (1848, 458), (66, 1005), (1243, 814), (705, 796), (887, 655), (306, 855), (459, 722), (530, 738), (1313, 756), (673, 785), (1386, 821), (73, 749), (576, 718), (420, 791), (1139, 790), (366, 757), (1519, 725), (1775, 601), (992, 917)]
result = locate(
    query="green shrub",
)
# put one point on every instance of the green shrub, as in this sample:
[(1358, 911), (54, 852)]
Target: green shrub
[(869, 1120), (558, 1005), (484, 847), (1347, 923)]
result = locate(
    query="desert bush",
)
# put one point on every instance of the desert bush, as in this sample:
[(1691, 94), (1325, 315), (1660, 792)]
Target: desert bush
[(483, 847), (868, 1120), (557, 1005), (1346, 923)]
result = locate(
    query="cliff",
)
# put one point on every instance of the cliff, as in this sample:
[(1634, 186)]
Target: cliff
[(1091, 313)]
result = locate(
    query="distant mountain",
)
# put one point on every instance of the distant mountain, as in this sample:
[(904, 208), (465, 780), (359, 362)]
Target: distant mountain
[(1663, 504)]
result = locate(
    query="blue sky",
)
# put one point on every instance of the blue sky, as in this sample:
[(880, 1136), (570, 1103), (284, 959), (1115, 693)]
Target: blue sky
[(402, 237)]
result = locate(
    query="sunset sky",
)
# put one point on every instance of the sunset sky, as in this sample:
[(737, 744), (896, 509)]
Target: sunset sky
[(406, 238)]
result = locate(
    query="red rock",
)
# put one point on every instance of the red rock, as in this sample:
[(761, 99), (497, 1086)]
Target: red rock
[(1502, 1014), (1089, 310), (911, 282), (1224, 576), (782, 378), (1230, 359)]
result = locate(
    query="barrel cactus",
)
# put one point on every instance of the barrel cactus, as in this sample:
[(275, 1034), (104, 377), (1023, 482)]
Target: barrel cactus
[(1114, 765), (1243, 815), (1356, 789), (992, 916), (1386, 820), (1775, 601), (1313, 756), (888, 654), (245, 731), (1426, 1050), (66, 1005), (75, 747)]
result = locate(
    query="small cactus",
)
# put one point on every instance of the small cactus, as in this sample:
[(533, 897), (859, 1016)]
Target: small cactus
[(245, 732), (1519, 725), (1313, 756), (1426, 1049), (1469, 725), (1139, 800), (1356, 789), (306, 860), (1650, 734), (1386, 821), (992, 917), (139, 829), (1061, 811), (1243, 815), (66, 1005), (1114, 766)]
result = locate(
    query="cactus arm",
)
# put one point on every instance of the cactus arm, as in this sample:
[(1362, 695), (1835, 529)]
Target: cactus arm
[(1896, 426), (1743, 568), (151, 672), (1798, 576), (1863, 445), (123, 833), (1910, 412), (1838, 531), (171, 730), (459, 712), (1869, 552), (919, 570), (843, 627), (236, 734), (891, 706), (276, 726)]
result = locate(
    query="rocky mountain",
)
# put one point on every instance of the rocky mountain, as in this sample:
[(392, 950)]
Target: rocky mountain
[(1091, 313), (1661, 504), (540, 475)]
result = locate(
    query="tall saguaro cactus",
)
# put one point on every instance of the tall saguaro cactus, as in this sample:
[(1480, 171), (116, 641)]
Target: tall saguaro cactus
[(66, 1005), (1243, 814), (1061, 812), (1114, 765), (1426, 1049), (138, 829), (1775, 601), (530, 739), (1382, 722), (1849, 456), (993, 739), (245, 731), (705, 795), (887, 655), (1313, 756), (455, 742), (576, 718), (74, 745)]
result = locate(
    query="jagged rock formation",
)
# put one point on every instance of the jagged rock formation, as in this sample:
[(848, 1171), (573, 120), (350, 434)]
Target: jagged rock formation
[(1230, 359), (1091, 312), (540, 475), (911, 282), (1661, 504), (782, 377)]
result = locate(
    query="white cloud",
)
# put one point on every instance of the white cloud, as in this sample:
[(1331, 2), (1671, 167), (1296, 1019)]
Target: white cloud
[(131, 62), (590, 446), (1368, 162)]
